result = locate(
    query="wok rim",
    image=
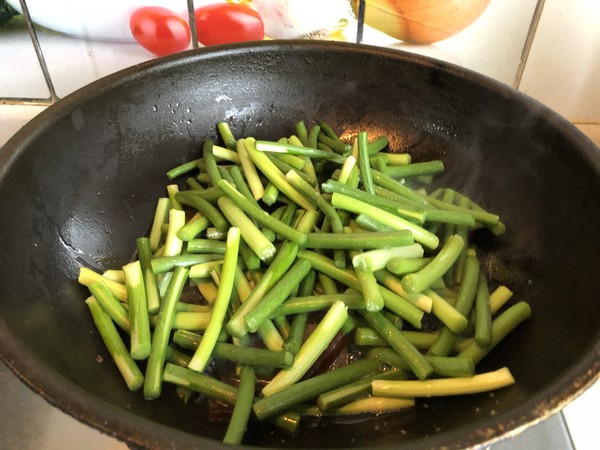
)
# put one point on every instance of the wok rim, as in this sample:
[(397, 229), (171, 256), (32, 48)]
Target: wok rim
[(128, 427)]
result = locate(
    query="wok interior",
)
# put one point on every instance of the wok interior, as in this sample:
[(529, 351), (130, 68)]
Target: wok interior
[(87, 175)]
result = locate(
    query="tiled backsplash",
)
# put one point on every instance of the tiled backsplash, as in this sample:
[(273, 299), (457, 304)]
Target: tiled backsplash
[(564, 62), (557, 65)]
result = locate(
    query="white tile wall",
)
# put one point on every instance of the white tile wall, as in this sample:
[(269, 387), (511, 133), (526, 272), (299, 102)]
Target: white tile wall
[(20, 73), (13, 117), (564, 63), (495, 41), (492, 45), (73, 63)]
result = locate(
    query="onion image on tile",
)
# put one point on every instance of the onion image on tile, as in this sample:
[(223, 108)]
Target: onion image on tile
[(421, 21)]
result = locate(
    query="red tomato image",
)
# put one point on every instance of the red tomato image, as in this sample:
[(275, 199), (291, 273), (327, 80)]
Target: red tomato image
[(223, 23), (159, 30)]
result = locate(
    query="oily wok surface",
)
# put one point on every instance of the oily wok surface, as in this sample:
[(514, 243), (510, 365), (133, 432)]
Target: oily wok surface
[(80, 182)]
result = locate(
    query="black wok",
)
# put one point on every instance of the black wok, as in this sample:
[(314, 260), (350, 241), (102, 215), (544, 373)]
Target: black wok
[(79, 183)]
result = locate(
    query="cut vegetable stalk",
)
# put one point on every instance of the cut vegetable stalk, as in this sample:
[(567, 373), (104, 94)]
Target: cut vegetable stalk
[(364, 165), (202, 354), (251, 259), (193, 227), (260, 215), (378, 145), (403, 266), (420, 339), (255, 239), (271, 194), (312, 348), (288, 148), (331, 214), (483, 217), (200, 383), (274, 175), (415, 169), (162, 331), (161, 214), (302, 132), (499, 297), (442, 387), (408, 311), (464, 302), (375, 405), (295, 394), (267, 332), (447, 314), (110, 304), (277, 295), (463, 232), (442, 261), (177, 357), (226, 154), (311, 303), (205, 246), (386, 182), (194, 184), (334, 144), (366, 223), (139, 322), (296, 334), (243, 407), (118, 351), (327, 285), (240, 183), (343, 395), (347, 168), (390, 281), (191, 320), (416, 361), (115, 275), (193, 199), (398, 159), (451, 217), (252, 177), (420, 234), (87, 277), (483, 313), (227, 135), (284, 259), (182, 169), (237, 353), (404, 209), (359, 241), (285, 163), (203, 270), (145, 256), (501, 326), (370, 290), (443, 366), (164, 264), (373, 260), (172, 190)]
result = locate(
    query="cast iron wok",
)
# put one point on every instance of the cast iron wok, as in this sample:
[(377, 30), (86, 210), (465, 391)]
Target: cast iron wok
[(79, 184)]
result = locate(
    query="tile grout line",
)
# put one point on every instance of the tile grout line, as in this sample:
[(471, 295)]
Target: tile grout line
[(38, 50), (535, 20)]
